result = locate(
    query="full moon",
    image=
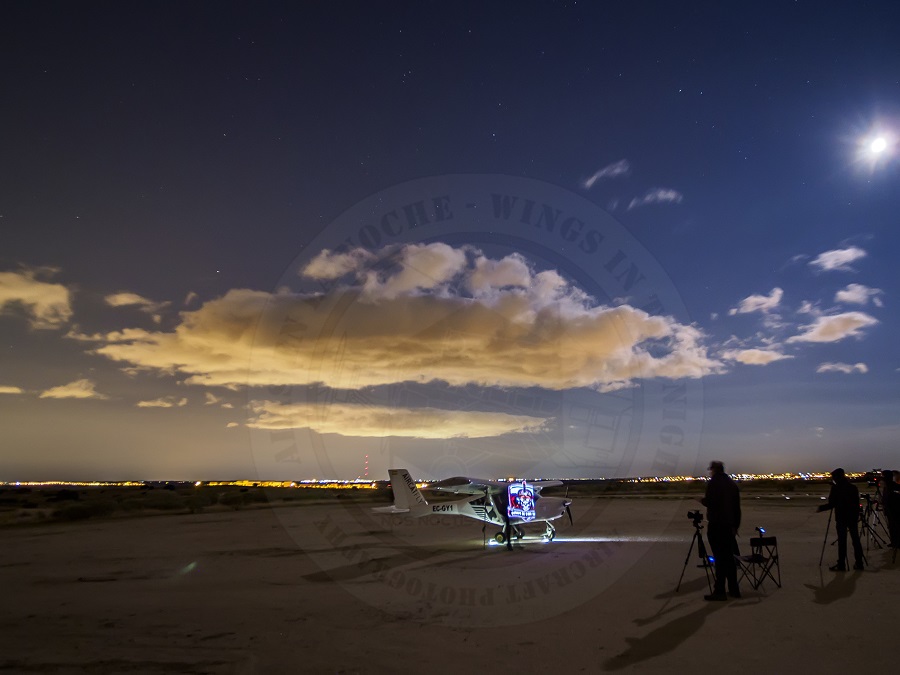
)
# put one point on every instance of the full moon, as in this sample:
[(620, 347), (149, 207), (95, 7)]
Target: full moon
[(878, 145)]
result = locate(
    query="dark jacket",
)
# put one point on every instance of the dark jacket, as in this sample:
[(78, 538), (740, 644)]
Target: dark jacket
[(844, 499), (723, 501), (890, 499)]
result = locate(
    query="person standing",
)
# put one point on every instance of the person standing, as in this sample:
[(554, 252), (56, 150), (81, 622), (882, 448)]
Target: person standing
[(723, 511), (890, 504), (844, 499)]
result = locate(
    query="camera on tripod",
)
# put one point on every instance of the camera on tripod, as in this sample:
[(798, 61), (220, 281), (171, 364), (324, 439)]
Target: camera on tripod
[(696, 517)]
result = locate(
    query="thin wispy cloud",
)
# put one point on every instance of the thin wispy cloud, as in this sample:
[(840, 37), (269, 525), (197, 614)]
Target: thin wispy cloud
[(83, 388), (835, 328), (758, 303), (620, 168), (656, 196), (126, 299), (845, 368), (837, 260), (755, 357), (857, 294), (164, 402), (46, 305), (381, 421), (7, 389)]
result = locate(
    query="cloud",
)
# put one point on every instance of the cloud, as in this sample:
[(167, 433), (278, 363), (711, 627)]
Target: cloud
[(857, 294), (77, 389), (212, 399), (755, 357), (835, 328), (332, 265), (842, 368), (838, 259), (164, 402), (380, 421), (232, 425), (124, 299), (758, 303), (190, 298), (420, 313), (807, 307), (620, 168), (7, 389), (656, 195), (46, 305)]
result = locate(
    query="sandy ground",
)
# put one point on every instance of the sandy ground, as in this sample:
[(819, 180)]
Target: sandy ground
[(334, 589)]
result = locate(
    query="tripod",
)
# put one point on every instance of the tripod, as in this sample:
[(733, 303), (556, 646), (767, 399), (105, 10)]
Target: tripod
[(704, 556), (842, 563), (868, 516)]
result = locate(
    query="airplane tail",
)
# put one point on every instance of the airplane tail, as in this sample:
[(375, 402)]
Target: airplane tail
[(407, 497)]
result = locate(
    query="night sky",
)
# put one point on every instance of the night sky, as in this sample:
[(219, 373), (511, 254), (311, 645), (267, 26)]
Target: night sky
[(549, 240)]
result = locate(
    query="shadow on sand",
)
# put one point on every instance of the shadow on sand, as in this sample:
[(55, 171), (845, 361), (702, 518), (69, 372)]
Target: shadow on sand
[(842, 585), (663, 639)]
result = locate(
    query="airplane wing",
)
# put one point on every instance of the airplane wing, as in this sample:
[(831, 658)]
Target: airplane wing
[(479, 486), (467, 486)]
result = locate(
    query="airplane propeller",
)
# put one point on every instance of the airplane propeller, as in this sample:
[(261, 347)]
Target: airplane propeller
[(569, 513)]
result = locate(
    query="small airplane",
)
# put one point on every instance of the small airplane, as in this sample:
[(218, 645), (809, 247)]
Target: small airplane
[(507, 505)]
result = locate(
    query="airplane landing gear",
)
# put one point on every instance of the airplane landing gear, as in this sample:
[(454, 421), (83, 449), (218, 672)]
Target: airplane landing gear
[(550, 532), (500, 538)]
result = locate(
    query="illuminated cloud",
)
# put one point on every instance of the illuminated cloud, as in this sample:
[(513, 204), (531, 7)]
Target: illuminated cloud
[(838, 259), (758, 303), (656, 195), (835, 328), (380, 422), (432, 313), (45, 304), (190, 298), (620, 168), (6, 389), (332, 265), (842, 368), (164, 402), (857, 294), (755, 357), (125, 299), (232, 425), (77, 389), (212, 399), (807, 307)]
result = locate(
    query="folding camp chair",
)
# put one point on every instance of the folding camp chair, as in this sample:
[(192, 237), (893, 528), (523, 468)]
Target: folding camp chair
[(761, 563)]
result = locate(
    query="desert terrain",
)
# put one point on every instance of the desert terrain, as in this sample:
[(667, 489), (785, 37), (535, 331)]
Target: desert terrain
[(327, 587)]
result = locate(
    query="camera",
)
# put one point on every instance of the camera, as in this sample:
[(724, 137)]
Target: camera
[(696, 516)]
